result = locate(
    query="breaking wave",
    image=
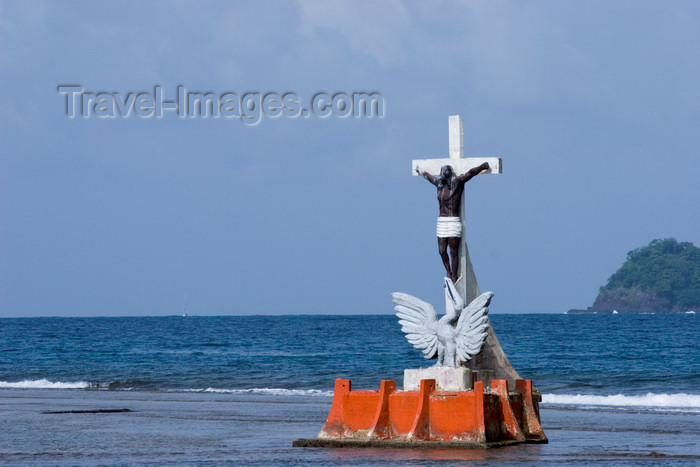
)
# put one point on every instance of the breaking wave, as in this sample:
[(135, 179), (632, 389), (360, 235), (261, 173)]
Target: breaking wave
[(650, 400), (129, 385), (676, 402), (44, 384)]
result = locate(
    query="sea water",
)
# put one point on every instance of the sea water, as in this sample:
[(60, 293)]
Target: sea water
[(617, 389)]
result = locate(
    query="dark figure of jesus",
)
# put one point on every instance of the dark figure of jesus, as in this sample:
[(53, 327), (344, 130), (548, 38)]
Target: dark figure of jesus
[(450, 188)]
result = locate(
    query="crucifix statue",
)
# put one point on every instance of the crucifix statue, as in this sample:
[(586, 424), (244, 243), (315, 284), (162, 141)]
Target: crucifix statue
[(454, 172), (449, 176), (450, 188)]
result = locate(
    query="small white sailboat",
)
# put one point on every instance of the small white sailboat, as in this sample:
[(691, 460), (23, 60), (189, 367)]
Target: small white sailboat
[(184, 312)]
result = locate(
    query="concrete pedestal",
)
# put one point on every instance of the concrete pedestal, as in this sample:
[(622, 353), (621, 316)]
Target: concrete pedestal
[(446, 379), (430, 417)]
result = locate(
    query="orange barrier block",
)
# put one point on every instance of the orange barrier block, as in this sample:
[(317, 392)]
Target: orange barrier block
[(420, 429), (509, 428), (335, 423), (530, 418), (402, 411), (381, 423), (495, 417), (454, 416)]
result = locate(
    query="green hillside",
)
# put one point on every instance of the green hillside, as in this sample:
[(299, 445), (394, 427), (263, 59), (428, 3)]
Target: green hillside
[(662, 277)]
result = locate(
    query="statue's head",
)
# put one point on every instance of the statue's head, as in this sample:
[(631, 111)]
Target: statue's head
[(447, 177), (446, 172)]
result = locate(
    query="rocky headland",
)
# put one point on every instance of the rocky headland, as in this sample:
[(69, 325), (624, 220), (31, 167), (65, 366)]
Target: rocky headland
[(662, 277)]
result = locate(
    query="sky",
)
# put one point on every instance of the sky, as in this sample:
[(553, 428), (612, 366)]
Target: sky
[(593, 106)]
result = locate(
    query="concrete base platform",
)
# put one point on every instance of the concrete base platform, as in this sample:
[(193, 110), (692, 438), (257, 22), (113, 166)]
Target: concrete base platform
[(446, 379), (430, 418), (395, 443)]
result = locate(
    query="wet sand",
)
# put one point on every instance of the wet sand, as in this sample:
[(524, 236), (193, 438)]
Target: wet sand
[(93, 427)]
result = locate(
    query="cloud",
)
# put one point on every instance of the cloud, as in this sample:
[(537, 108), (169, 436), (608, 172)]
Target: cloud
[(375, 29)]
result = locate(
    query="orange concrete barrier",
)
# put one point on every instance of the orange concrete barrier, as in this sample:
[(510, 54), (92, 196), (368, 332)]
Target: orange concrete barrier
[(530, 418), (476, 416), (509, 427)]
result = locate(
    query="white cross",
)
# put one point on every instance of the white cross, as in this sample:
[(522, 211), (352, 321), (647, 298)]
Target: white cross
[(492, 361), (459, 163), (466, 284)]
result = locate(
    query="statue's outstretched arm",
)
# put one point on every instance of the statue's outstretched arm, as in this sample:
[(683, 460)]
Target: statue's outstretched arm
[(464, 178), (427, 176)]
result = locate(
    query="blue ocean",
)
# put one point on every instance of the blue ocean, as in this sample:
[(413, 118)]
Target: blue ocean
[(236, 390)]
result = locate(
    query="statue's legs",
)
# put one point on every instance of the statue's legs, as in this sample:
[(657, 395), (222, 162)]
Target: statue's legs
[(454, 242), (442, 248)]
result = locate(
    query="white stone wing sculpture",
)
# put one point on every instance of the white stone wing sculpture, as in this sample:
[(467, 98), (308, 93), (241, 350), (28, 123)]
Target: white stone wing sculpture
[(418, 321), (472, 327)]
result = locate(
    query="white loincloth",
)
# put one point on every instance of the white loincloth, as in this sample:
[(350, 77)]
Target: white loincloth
[(449, 227)]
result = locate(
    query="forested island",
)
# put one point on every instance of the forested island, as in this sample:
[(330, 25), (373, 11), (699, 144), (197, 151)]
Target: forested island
[(662, 277)]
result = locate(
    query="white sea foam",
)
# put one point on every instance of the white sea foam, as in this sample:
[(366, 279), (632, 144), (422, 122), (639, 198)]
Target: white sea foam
[(43, 384), (268, 391), (650, 400)]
